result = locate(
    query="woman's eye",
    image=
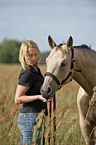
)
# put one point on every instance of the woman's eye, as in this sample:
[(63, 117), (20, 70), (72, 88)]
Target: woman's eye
[(30, 55)]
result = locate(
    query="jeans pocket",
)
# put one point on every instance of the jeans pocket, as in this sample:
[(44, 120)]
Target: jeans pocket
[(21, 121)]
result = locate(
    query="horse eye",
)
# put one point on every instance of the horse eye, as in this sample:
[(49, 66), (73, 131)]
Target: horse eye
[(63, 63)]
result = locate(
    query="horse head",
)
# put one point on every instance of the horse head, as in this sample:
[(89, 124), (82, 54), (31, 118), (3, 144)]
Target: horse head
[(58, 67)]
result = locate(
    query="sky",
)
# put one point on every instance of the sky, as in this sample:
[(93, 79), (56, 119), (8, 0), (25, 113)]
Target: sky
[(37, 19)]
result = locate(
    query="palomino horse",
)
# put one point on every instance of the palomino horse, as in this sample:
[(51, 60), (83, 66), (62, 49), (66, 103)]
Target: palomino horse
[(67, 62)]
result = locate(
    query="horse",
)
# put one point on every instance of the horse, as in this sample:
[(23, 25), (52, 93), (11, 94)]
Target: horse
[(66, 62)]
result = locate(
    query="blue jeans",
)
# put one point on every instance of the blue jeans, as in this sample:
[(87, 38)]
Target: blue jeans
[(26, 123)]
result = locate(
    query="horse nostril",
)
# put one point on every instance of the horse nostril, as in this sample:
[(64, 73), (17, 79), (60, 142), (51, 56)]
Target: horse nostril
[(49, 90)]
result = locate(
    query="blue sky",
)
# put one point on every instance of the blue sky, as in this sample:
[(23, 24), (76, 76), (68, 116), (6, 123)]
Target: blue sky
[(36, 19)]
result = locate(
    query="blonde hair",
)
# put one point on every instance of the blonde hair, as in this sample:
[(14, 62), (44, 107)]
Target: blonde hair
[(24, 51)]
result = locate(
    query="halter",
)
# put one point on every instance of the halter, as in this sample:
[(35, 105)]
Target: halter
[(72, 67)]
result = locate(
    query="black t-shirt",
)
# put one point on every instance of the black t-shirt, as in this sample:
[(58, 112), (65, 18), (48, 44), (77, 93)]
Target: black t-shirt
[(33, 79)]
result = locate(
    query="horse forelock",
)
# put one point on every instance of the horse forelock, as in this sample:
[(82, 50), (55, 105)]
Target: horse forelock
[(60, 44)]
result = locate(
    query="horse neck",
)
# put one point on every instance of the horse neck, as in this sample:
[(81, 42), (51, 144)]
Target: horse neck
[(85, 61)]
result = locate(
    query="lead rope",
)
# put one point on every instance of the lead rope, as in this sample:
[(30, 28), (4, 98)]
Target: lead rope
[(54, 118), (52, 107), (44, 123), (50, 111)]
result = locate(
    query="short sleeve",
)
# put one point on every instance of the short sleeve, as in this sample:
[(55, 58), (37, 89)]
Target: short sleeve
[(26, 78)]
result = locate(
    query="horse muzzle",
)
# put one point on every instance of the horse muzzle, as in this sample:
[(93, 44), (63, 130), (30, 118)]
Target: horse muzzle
[(46, 93)]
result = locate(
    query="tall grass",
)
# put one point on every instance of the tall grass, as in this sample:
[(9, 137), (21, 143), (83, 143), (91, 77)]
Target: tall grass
[(67, 118)]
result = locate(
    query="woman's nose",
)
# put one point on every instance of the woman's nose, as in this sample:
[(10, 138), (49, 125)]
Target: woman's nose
[(34, 57)]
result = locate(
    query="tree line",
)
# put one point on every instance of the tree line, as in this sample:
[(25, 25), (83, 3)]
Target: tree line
[(9, 52)]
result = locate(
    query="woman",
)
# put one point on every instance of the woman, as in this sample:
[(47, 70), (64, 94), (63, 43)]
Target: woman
[(28, 91)]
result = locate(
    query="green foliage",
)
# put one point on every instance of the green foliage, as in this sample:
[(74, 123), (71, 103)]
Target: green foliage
[(44, 56), (9, 52)]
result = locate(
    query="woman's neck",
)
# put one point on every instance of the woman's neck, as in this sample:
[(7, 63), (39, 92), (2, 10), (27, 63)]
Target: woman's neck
[(35, 67)]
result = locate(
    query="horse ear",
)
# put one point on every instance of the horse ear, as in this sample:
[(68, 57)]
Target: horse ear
[(69, 42), (51, 42)]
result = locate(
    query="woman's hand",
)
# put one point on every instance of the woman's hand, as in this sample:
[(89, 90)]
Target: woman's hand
[(43, 99)]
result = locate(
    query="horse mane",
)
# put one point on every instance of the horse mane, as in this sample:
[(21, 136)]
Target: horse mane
[(84, 46)]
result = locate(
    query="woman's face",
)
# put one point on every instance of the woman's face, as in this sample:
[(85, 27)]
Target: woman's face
[(32, 56)]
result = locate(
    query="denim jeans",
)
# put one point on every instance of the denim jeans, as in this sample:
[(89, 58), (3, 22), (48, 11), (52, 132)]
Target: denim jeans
[(26, 123)]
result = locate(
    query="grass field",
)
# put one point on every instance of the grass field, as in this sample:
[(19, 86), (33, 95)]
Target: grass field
[(67, 118)]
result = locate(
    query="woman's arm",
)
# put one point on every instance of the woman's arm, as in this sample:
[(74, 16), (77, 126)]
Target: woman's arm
[(20, 96)]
